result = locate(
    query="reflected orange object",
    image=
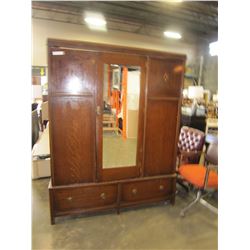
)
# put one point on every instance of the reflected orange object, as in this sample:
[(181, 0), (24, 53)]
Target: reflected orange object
[(109, 82), (124, 101)]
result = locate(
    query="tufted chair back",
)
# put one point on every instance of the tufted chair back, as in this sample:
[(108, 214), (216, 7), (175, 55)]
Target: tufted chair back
[(191, 140)]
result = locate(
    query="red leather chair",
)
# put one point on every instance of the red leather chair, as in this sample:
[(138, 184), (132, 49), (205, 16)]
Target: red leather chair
[(190, 146), (202, 177)]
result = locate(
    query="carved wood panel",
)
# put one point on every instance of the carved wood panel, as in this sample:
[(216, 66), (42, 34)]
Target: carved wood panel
[(164, 77), (74, 71), (73, 142)]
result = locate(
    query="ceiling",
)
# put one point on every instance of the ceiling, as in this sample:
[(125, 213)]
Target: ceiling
[(196, 21)]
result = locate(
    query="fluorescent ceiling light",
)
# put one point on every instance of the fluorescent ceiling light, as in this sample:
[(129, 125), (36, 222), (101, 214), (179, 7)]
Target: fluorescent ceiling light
[(95, 21), (172, 34), (213, 48), (174, 1)]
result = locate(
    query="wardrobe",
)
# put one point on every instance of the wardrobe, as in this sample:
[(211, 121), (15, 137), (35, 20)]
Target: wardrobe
[(79, 181)]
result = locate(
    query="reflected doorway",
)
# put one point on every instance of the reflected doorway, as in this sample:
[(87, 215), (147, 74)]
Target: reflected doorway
[(121, 94)]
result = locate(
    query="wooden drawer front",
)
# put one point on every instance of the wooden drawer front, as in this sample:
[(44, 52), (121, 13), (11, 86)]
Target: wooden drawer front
[(146, 190), (84, 197)]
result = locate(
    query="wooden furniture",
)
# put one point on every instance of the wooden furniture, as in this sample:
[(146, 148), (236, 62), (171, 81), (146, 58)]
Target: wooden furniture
[(79, 183)]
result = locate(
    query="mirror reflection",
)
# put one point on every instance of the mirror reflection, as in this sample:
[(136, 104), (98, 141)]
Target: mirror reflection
[(121, 92)]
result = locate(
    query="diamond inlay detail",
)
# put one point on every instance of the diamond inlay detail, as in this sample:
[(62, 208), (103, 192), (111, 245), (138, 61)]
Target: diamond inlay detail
[(165, 77)]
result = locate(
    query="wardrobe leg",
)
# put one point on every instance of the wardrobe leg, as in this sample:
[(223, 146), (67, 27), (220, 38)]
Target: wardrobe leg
[(172, 201), (118, 210), (52, 220)]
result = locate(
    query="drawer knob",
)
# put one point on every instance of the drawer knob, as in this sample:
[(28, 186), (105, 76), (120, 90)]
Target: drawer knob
[(103, 196), (134, 191), (161, 187), (69, 198)]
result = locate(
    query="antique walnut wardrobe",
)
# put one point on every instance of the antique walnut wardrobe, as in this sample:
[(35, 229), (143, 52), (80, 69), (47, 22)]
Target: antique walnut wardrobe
[(79, 181)]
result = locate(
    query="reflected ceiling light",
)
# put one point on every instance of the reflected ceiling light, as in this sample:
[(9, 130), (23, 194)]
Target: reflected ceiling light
[(95, 21), (172, 34), (74, 85), (213, 48)]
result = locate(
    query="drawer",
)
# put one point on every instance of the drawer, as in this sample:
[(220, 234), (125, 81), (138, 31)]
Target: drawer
[(87, 197), (147, 190)]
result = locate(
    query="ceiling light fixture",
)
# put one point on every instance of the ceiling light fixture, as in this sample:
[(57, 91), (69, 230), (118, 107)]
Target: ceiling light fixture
[(95, 21), (174, 1), (172, 34)]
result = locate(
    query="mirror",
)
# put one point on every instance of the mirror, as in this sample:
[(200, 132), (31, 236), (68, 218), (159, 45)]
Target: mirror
[(121, 94)]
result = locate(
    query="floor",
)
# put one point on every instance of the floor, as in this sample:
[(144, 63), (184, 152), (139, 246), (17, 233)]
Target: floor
[(118, 152), (151, 227)]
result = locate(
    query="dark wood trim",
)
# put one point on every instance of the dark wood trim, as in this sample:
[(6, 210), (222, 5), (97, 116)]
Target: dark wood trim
[(95, 178), (50, 123), (99, 129), (114, 182), (111, 174), (156, 98), (143, 202), (82, 211), (112, 207), (58, 94), (112, 48), (145, 118), (141, 122), (119, 197)]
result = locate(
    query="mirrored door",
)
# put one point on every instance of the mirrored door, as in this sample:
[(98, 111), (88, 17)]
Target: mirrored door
[(121, 95)]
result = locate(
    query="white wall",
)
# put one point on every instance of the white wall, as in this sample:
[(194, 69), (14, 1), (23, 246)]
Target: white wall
[(209, 79), (43, 29)]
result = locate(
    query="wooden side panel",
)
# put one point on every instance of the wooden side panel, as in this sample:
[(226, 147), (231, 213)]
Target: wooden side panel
[(72, 86), (164, 85), (160, 137), (73, 140), (72, 71)]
